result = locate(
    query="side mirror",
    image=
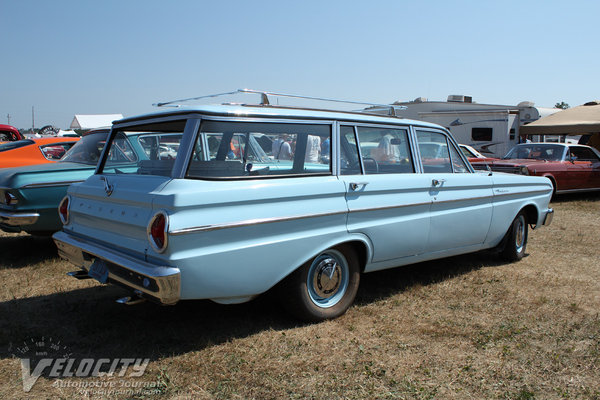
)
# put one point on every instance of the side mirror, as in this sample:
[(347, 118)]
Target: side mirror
[(573, 159)]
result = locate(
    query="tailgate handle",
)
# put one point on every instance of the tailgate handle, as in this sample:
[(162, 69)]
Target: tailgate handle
[(108, 188)]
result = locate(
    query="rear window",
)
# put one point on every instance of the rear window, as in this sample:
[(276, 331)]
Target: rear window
[(149, 149), (253, 149), (56, 151)]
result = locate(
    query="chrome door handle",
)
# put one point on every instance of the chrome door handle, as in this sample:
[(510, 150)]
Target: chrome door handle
[(437, 182), (356, 185)]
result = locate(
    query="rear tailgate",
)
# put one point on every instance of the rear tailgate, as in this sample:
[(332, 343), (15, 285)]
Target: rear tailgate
[(114, 209)]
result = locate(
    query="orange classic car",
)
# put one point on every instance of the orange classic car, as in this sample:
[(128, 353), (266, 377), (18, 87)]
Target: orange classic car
[(36, 151)]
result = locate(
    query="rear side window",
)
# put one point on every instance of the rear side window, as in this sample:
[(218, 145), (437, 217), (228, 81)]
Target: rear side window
[(254, 149), (385, 150), (582, 154)]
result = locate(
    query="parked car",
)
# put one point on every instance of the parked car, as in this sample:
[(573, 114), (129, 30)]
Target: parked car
[(227, 222), (31, 152), (570, 167), (30, 194), (9, 133), (474, 156)]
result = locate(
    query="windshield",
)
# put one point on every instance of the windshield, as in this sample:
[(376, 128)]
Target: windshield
[(87, 150), (536, 151)]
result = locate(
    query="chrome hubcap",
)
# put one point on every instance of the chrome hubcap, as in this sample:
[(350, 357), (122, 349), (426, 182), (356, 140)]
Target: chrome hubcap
[(327, 279)]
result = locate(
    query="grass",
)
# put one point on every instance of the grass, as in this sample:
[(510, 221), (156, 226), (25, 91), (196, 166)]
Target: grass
[(458, 328)]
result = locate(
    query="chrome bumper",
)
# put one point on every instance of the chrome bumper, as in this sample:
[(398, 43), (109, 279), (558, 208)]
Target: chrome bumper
[(548, 217), (159, 283), (17, 219)]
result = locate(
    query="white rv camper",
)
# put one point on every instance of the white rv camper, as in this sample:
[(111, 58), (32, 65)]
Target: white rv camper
[(491, 129)]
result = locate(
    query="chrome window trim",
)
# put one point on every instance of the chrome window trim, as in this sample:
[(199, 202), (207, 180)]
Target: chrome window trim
[(356, 125), (188, 138), (332, 129), (353, 127), (449, 141)]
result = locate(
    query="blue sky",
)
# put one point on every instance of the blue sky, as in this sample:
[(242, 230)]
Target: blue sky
[(83, 57)]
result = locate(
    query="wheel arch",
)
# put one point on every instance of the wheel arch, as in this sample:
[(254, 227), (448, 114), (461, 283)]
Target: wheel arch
[(532, 214)]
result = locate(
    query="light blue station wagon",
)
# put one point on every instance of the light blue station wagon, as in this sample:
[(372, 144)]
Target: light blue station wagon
[(253, 198)]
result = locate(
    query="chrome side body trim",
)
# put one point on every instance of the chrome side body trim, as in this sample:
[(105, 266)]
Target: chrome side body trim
[(249, 222), (258, 221), (577, 190), (49, 184)]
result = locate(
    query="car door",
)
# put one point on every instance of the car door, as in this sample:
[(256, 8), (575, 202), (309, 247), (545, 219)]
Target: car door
[(461, 201), (387, 201), (586, 164)]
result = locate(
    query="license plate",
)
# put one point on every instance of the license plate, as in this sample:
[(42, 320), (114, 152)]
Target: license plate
[(99, 270)]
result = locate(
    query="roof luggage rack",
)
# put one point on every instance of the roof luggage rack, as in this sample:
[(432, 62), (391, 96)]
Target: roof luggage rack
[(265, 102)]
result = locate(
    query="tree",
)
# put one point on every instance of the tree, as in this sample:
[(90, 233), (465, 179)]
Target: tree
[(562, 105)]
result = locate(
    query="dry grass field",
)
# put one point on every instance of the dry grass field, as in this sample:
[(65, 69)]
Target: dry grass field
[(468, 327)]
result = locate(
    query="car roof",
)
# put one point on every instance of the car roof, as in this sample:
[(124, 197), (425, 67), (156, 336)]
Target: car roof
[(271, 111)]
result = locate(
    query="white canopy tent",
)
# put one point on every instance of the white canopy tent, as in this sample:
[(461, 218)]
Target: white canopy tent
[(91, 121)]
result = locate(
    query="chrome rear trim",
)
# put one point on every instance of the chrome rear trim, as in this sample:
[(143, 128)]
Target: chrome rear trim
[(18, 219), (122, 268)]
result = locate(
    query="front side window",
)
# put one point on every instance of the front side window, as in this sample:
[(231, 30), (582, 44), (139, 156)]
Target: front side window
[(385, 150), (433, 147), (248, 149), (458, 165)]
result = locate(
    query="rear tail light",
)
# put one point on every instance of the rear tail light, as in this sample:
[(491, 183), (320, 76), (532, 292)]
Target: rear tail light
[(157, 231), (10, 199), (63, 210)]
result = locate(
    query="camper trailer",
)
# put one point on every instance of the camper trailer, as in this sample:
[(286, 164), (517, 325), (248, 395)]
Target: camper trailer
[(491, 129)]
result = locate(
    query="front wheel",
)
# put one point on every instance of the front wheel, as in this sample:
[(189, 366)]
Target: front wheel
[(516, 239), (324, 287)]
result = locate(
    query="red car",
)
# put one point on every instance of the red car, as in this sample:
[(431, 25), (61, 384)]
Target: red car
[(9, 133), (570, 167)]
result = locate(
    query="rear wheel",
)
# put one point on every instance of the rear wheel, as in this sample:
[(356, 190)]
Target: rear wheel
[(324, 287), (515, 241)]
